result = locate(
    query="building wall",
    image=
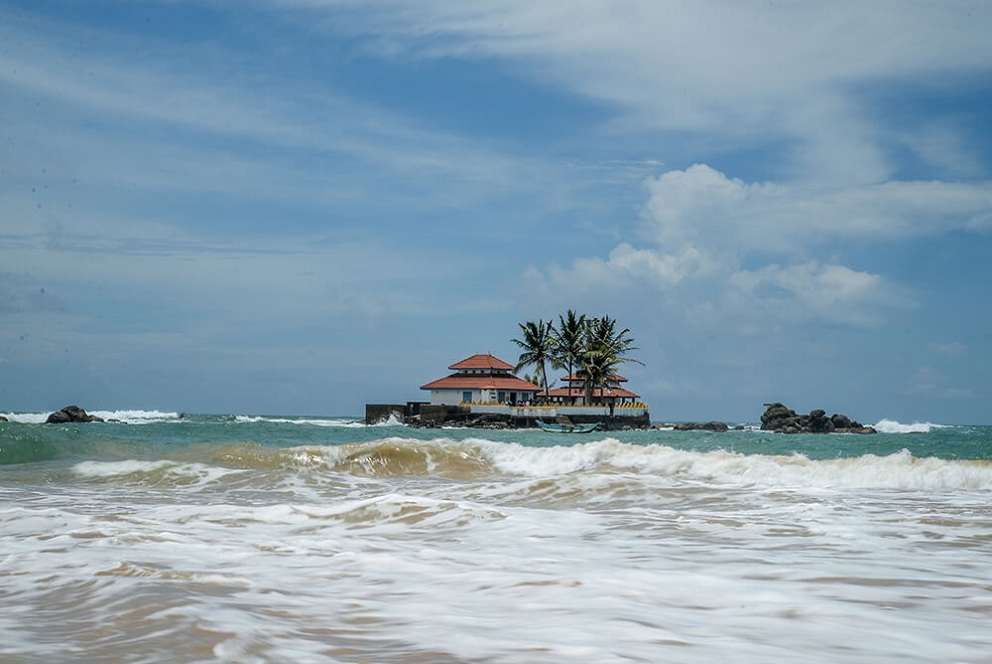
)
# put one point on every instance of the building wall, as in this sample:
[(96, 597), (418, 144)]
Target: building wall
[(450, 397), (455, 397), (550, 412)]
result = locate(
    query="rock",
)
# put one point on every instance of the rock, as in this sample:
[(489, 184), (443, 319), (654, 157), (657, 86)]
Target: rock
[(701, 426), (780, 419), (840, 421), (3, 419), (777, 417), (71, 414), (818, 422)]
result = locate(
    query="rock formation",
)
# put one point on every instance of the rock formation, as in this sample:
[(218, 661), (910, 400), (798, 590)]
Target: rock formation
[(701, 426), (781, 419), (71, 414)]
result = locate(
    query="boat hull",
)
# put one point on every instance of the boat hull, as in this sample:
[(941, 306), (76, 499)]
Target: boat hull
[(561, 428)]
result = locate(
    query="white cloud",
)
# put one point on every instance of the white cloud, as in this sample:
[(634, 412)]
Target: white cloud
[(155, 121), (785, 71), (812, 290), (703, 206), (658, 268), (721, 250), (942, 143)]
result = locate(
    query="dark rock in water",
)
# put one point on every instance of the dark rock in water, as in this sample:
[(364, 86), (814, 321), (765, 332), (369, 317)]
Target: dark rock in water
[(781, 419), (489, 422), (71, 414), (818, 422), (701, 426), (3, 419), (777, 417), (841, 421)]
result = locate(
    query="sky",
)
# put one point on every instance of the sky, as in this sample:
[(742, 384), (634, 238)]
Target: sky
[(303, 206)]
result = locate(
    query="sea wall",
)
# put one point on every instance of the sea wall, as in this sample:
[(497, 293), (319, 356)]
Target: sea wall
[(493, 416), (454, 416), (376, 413)]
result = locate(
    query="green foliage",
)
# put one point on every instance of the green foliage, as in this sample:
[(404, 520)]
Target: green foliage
[(592, 348), (538, 346), (570, 337)]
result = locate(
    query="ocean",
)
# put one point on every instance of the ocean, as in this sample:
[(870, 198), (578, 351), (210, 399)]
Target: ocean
[(196, 538)]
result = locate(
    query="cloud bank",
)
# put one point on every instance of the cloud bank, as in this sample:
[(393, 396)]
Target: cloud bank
[(772, 252)]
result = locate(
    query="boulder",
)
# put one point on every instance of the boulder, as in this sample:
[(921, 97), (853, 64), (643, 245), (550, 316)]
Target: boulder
[(777, 417), (841, 421), (780, 419), (71, 414), (818, 422), (3, 419), (701, 426)]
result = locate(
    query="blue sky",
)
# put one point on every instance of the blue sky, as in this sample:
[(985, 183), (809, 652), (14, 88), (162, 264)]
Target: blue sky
[(300, 206)]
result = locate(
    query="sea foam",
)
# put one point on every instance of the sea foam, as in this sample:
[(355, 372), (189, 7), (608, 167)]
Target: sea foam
[(126, 416), (338, 422), (892, 426), (26, 418), (163, 472), (478, 458), (136, 416)]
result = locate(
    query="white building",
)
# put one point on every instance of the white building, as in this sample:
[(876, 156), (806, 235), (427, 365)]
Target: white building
[(481, 379)]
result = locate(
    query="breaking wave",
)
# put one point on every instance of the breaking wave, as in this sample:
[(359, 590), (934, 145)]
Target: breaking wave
[(336, 422), (485, 460), (125, 416), (892, 426)]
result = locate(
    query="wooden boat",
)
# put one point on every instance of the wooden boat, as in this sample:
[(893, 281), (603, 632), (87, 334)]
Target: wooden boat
[(566, 428)]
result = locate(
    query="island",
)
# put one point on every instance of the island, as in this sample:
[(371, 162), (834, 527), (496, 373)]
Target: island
[(483, 391)]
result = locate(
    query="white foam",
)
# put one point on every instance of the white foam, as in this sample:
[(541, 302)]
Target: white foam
[(26, 418), (545, 461), (391, 421), (136, 416), (382, 569), (127, 416), (895, 471), (892, 426), (173, 472), (339, 422)]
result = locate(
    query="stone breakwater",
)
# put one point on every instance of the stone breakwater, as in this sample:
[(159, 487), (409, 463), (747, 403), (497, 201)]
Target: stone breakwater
[(498, 421), (781, 419)]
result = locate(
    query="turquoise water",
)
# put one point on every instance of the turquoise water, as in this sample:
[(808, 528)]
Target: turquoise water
[(162, 434)]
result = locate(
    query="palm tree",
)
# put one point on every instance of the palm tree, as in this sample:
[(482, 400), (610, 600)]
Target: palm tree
[(605, 350), (570, 342), (538, 346)]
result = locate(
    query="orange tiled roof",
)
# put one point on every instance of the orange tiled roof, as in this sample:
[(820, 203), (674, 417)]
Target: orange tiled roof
[(597, 393), (481, 382), (482, 361), (579, 377)]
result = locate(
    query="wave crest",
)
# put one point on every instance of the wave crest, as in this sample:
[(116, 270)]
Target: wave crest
[(588, 464), (126, 416), (892, 426), (481, 459), (339, 422)]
